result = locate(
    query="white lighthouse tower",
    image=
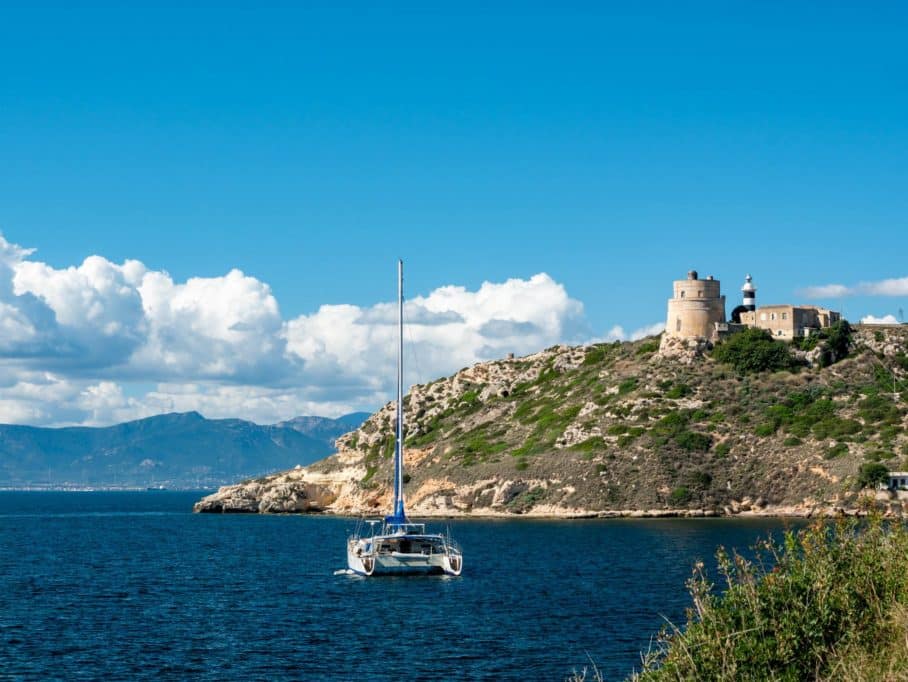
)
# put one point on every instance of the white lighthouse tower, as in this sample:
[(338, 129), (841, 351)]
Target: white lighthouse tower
[(750, 294)]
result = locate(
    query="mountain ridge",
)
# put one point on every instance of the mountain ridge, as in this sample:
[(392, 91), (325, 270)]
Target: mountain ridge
[(176, 449)]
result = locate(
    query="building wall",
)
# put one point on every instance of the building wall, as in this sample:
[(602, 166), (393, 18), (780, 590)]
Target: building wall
[(788, 321), (695, 309)]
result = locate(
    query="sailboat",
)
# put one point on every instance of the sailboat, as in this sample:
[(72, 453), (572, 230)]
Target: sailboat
[(393, 545)]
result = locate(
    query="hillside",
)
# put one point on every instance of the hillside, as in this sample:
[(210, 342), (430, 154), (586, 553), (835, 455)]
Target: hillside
[(175, 450), (619, 429)]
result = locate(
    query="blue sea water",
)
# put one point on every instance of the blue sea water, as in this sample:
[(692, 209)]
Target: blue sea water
[(132, 585)]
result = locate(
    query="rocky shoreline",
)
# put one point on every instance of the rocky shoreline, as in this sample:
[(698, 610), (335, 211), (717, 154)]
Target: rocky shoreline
[(278, 495)]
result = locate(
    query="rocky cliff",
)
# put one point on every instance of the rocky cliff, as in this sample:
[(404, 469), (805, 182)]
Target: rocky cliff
[(618, 429)]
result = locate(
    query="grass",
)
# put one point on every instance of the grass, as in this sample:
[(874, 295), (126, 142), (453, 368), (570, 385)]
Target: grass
[(830, 603)]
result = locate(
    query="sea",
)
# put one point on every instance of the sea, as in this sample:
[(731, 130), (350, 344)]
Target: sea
[(132, 585)]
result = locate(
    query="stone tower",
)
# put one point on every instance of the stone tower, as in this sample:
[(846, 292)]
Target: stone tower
[(750, 294), (696, 308)]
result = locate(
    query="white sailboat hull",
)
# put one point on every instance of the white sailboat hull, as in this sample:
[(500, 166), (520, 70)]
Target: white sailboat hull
[(366, 556)]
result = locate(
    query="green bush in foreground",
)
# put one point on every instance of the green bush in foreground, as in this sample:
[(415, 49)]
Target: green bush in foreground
[(829, 603)]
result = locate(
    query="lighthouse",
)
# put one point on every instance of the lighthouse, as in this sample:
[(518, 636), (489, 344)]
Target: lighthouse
[(750, 294)]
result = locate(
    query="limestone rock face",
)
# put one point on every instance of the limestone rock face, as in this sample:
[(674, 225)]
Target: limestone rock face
[(687, 351), (277, 498)]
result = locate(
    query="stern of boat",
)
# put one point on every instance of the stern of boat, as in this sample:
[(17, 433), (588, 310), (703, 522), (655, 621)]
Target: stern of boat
[(453, 564), (358, 559)]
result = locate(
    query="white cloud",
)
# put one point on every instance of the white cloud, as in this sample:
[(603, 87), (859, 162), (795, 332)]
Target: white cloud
[(454, 328), (886, 319), (103, 342), (826, 291), (617, 333), (886, 287)]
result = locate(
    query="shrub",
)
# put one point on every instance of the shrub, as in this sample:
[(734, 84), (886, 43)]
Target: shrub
[(589, 445), (872, 473), (630, 436), (837, 342), (877, 408), (833, 427), (902, 360), (828, 603), (693, 441), (766, 429), (647, 347), (699, 415), (679, 391), (470, 397), (680, 495), (722, 449), (879, 455), (836, 450), (595, 355), (754, 350), (700, 480), (627, 386)]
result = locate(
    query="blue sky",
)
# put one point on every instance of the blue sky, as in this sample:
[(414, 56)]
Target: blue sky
[(610, 147)]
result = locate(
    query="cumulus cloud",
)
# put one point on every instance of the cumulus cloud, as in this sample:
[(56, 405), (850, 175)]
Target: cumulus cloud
[(617, 333), (886, 319), (519, 316), (102, 342), (886, 287)]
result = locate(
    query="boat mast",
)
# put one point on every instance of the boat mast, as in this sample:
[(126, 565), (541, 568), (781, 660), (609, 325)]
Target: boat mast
[(399, 514)]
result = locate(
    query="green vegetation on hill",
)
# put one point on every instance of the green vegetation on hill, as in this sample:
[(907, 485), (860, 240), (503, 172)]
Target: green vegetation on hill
[(754, 350), (620, 426), (829, 603)]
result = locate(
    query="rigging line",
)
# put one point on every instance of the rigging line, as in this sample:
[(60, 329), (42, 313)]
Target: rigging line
[(412, 347)]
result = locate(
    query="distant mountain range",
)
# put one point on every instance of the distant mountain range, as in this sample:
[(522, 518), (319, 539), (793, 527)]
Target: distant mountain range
[(176, 450)]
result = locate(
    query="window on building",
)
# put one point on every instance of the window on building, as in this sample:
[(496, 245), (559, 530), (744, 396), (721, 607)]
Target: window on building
[(784, 316), (763, 317), (682, 294), (699, 293), (772, 316), (678, 325)]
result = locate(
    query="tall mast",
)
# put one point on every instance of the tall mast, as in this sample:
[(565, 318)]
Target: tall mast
[(399, 514)]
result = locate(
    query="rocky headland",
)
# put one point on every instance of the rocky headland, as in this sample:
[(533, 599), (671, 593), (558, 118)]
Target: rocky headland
[(622, 429)]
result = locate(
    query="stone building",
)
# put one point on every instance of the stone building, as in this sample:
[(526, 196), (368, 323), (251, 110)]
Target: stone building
[(696, 309), (790, 321)]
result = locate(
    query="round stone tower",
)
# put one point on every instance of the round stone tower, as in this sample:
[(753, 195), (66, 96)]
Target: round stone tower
[(695, 309), (750, 294)]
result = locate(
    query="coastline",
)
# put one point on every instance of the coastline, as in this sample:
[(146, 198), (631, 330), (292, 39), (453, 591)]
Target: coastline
[(769, 512)]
